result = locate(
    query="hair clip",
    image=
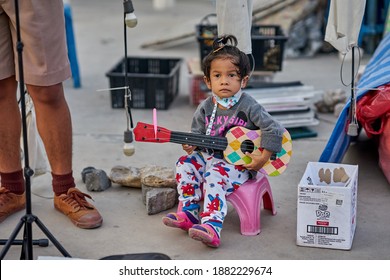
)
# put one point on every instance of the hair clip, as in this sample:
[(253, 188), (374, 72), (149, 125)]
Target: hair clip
[(214, 51), (220, 40), (220, 43)]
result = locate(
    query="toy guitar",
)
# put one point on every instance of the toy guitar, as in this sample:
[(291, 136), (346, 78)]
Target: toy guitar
[(237, 141)]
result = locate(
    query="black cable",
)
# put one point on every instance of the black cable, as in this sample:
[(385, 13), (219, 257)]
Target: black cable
[(127, 88), (353, 75)]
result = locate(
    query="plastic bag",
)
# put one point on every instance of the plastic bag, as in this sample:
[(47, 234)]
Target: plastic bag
[(372, 109), (373, 113), (36, 151), (384, 148)]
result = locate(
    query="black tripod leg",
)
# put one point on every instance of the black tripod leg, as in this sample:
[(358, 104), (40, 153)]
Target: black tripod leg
[(43, 242), (24, 254), (27, 241), (52, 238), (12, 238)]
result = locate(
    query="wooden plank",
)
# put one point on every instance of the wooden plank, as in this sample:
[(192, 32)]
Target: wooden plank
[(186, 30), (271, 9), (168, 40)]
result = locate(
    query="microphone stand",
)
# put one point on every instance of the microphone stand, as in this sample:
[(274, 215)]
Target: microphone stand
[(128, 134), (29, 217)]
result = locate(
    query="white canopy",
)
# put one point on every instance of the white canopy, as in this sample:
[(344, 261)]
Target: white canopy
[(235, 17), (344, 23)]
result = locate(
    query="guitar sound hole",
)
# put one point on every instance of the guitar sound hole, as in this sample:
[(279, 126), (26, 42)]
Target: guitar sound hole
[(247, 146)]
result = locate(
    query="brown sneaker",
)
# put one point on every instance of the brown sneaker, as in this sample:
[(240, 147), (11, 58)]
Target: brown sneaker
[(80, 212), (10, 203)]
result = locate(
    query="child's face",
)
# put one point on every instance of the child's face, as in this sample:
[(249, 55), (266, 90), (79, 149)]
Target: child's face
[(224, 78)]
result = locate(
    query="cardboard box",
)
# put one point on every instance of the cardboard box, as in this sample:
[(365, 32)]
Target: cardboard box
[(327, 201)]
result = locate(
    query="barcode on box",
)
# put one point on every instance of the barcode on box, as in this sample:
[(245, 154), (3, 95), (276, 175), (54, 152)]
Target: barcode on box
[(322, 230), (339, 202)]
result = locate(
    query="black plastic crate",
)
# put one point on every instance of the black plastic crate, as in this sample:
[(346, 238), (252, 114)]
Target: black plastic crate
[(267, 44), (206, 32), (154, 82)]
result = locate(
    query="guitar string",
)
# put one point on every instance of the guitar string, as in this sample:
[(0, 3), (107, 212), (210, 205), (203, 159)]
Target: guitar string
[(216, 143)]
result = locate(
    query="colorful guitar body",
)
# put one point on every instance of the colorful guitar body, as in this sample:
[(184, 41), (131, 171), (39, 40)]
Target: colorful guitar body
[(234, 153), (237, 141)]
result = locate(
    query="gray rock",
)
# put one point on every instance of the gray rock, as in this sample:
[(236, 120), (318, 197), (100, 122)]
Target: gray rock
[(126, 176), (97, 180), (145, 190), (85, 171), (158, 177), (160, 199)]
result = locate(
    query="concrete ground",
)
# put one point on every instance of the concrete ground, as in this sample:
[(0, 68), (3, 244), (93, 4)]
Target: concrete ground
[(98, 142)]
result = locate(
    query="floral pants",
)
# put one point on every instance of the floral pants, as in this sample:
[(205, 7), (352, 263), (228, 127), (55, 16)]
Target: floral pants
[(202, 176)]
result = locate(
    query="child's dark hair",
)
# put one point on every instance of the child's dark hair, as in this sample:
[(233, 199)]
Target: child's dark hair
[(225, 47)]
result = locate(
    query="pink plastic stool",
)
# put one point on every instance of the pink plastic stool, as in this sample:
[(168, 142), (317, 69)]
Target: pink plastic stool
[(247, 202)]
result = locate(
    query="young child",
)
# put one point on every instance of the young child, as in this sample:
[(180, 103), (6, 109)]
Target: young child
[(203, 173)]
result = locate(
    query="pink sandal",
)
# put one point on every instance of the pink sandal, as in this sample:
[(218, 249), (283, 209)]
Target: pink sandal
[(178, 220), (206, 234)]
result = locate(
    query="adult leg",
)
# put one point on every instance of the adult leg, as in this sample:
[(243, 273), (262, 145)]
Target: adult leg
[(55, 128), (10, 126), (54, 125), (12, 198), (46, 66)]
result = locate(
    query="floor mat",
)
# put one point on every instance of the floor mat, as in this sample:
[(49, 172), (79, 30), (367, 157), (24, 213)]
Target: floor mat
[(301, 132)]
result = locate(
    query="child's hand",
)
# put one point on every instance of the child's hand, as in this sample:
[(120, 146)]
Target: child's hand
[(258, 161), (188, 148)]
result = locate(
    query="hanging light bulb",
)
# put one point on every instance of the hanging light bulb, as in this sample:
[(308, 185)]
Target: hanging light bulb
[(130, 18), (128, 147)]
